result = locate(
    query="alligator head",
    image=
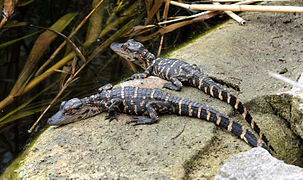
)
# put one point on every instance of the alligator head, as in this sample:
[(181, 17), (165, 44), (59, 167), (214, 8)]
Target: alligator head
[(135, 52), (74, 110)]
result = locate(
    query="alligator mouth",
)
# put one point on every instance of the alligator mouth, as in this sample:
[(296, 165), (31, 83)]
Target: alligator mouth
[(58, 119), (117, 47)]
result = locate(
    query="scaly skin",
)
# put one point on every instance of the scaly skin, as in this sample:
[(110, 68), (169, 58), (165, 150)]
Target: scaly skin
[(146, 104), (179, 73)]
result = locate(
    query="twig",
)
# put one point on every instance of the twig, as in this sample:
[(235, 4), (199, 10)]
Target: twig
[(289, 81), (160, 45), (179, 133)]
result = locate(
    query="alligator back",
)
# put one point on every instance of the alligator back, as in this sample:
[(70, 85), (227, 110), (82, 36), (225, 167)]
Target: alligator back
[(135, 101)]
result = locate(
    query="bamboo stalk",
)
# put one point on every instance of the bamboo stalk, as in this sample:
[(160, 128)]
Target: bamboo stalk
[(237, 8), (231, 14), (237, 18)]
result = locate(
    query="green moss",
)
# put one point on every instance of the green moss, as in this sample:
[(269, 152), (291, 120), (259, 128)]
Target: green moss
[(11, 172), (274, 116)]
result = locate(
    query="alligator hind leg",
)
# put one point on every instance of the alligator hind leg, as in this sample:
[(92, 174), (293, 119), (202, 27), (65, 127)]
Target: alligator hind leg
[(139, 120), (111, 116), (152, 108), (113, 108)]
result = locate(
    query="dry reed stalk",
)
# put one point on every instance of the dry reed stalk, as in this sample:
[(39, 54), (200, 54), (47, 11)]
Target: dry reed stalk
[(199, 14), (8, 11), (119, 20), (238, 8), (64, 43), (165, 13), (152, 12)]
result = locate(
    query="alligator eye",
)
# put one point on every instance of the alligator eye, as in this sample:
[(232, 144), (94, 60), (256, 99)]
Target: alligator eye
[(123, 47)]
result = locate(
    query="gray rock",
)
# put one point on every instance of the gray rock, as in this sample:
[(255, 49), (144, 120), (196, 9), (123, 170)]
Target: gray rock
[(96, 149), (257, 163)]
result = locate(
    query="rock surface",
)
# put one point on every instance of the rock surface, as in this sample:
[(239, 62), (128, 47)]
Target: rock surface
[(183, 147), (257, 163), (296, 118)]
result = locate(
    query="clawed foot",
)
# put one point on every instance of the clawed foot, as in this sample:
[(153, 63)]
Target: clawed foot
[(111, 117), (171, 87), (139, 120)]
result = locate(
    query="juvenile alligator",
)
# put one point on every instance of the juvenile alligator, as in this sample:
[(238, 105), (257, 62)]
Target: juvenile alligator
[(180, 72), (146, 104)]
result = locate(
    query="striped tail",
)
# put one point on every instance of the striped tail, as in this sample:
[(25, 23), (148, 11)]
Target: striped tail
[(207, 85), (227, 123)]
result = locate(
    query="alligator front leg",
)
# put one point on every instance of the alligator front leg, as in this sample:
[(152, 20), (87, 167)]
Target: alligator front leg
[(138, 76), (143, 75), (175, 85)]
